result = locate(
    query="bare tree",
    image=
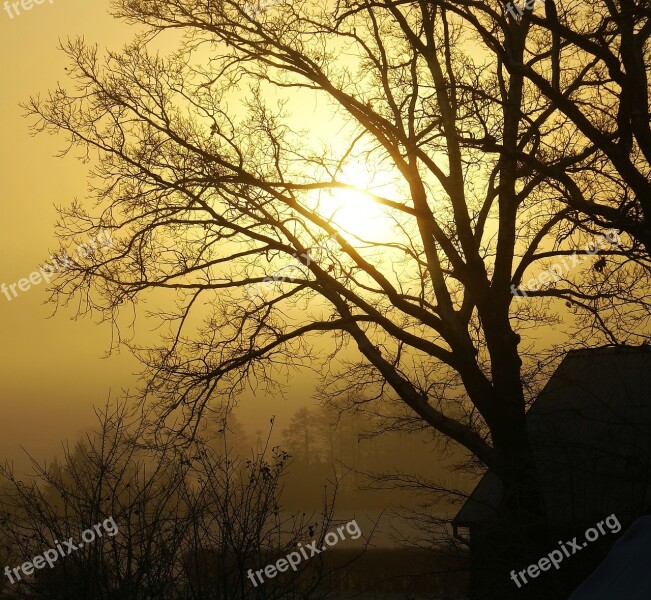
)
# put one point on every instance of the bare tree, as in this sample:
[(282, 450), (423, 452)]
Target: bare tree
[(189, 523), (205, 200), (590, 63), (104, 476)]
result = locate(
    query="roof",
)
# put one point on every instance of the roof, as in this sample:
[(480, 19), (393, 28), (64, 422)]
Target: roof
[(590, 429), (625, 572)]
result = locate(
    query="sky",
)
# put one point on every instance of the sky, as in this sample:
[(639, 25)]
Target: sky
[(54, 370), (51, 369)]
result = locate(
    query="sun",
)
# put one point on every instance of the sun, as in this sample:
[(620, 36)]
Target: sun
[(355, 213)]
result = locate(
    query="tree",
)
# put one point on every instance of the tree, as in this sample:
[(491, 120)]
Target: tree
[(579, 76), (204, 200), (186, 523), (102, 477), (590, 63), (302, 433)]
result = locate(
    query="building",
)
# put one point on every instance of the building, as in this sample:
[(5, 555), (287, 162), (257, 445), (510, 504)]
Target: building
[(590, 428)]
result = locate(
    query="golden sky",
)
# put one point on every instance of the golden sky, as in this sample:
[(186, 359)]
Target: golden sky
[(52, 370)]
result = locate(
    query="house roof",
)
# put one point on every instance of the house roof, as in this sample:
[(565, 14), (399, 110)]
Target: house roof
[(590, 429)]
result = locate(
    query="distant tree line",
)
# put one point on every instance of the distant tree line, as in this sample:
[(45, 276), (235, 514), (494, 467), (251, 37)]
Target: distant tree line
[(359, 449), (192, 520)]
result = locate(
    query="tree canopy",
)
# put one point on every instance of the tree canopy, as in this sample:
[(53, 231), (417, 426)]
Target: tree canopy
[(438, 146)]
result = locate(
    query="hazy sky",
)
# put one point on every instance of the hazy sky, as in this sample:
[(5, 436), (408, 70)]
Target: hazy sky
[(52, 370)]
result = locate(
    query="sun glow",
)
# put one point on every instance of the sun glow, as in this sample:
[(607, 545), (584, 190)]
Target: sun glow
[(354, 212)]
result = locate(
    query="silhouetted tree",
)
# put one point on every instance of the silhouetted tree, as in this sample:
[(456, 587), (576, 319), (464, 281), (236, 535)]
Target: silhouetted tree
[(190, 521), (590, 65), (205, 200)]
